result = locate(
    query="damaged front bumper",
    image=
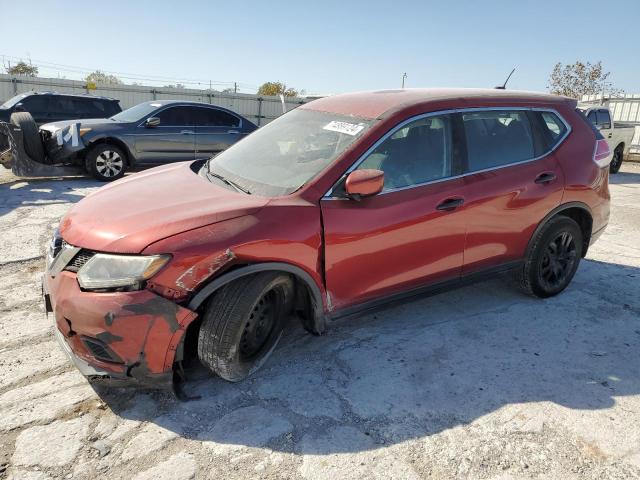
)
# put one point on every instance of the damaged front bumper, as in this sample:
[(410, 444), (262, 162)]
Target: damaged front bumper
[(116, 337), (62, 145)]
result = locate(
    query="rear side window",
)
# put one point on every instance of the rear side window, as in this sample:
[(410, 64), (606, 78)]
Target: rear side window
[(603, 119), (211, 117), (590, 123), (497, 138)]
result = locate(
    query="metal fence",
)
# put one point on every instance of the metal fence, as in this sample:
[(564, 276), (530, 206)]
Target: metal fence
[(259, 109), (624, 109)]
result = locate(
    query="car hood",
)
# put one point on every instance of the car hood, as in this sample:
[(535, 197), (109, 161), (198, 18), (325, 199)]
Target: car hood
[(130, 214), (84, 122)]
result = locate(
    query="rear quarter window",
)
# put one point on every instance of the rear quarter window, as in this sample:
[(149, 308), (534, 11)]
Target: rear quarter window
[(553, 129)]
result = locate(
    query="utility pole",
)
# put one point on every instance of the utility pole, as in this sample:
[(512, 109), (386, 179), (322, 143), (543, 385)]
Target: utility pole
[(404, 75), (235, 87)]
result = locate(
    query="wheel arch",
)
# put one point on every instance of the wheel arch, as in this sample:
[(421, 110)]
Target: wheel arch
[(130, 159), (578, 211), (316, 324)]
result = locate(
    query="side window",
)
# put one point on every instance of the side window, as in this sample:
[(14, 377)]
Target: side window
[(496, 138), (110, 108), (553, 128), (592, 117), (176, 117), (35, 103), (604, 119), (69, 107), (418, 153), (211, 117)]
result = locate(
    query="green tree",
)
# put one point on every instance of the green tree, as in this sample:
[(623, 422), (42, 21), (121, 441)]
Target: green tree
[(22, 68), (101, 77), (578, 79), (276, 88)]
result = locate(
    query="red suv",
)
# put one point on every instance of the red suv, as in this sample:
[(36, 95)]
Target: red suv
[(338, 206)]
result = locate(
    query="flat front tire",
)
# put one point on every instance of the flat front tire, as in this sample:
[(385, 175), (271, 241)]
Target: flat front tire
[(243, 323), (553, 258), (106, 162)]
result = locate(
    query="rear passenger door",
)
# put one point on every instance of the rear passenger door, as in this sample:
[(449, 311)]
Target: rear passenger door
[(216, 130), (171, 141), (513, 180)]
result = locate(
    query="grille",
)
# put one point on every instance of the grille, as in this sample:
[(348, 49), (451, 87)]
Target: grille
[(79, 260)]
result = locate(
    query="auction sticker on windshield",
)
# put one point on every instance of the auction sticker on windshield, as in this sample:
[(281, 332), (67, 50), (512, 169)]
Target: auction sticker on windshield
[(344, 127)]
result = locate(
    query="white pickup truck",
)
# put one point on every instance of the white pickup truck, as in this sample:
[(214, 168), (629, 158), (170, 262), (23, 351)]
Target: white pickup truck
[(618, 135)]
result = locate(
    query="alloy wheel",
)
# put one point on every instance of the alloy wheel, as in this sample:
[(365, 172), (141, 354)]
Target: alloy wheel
[(109, 163), (558, 260)]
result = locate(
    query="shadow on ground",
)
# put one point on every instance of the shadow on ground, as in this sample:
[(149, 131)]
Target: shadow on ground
[(420, 368), (42, 191), (623, 177)]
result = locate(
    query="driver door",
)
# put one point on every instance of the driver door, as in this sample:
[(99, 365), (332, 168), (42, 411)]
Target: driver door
[(412, 232), (171, 141)]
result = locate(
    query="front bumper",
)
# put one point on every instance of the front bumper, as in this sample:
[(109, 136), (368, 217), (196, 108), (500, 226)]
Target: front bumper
[(62, 145), (119, 337)]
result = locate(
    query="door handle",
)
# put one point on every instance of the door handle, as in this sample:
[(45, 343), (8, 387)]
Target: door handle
[(450, 204), (234, 132), (546, 177), (187, 132)]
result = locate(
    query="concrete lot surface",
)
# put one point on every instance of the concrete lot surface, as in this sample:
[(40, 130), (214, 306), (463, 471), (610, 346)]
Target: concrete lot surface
[(481, 382)]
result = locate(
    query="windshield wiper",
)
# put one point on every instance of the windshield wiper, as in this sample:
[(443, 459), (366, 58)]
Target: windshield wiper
[(227, 181)]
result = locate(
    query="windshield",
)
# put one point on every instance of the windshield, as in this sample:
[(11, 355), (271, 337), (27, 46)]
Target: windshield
[(280, 157), (12, 101), (136, 113)]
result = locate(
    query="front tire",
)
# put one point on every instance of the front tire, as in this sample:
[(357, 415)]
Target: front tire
[(106, 162), (616, 161), (243, 323), (553, 259)]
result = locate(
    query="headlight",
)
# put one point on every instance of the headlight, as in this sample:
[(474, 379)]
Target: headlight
[(112, 271)]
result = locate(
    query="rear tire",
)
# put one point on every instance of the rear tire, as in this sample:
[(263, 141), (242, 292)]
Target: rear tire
[(243, 323), (553, 259), (30, 135), (616, 161), (106, 162)]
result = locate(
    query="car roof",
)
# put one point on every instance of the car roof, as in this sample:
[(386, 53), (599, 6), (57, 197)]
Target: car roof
[(80, 95), (162, 103), (378, 103)]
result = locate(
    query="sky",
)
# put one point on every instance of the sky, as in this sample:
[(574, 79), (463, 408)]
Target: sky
[(324, 47)]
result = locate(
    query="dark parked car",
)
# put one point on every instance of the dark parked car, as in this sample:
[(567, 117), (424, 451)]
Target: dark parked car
[(47, 107), (336, 207), (153, 132)]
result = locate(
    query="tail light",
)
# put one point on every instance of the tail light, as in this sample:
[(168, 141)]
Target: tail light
[(602, 153)]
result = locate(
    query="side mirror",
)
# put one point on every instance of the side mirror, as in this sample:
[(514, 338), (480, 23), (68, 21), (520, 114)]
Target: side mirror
[(364, 183), (152, 122)]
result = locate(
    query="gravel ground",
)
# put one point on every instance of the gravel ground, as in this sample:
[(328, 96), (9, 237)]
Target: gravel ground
[(481, 382)]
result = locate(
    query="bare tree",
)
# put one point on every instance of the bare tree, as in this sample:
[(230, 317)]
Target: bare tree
[(578, 79)]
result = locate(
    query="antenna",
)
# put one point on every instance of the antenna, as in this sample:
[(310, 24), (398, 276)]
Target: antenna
[(504, 85)]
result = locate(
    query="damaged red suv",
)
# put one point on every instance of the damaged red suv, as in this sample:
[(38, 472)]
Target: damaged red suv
[(343, 204)]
